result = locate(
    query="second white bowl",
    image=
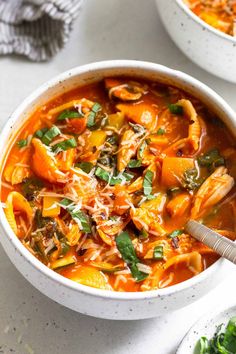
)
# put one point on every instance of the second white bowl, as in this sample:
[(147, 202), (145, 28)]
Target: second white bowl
[(209, 48)]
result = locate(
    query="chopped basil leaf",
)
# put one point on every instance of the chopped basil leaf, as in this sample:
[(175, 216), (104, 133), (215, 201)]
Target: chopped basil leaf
[(211, 159), (134, 163), (64, 145), (161, 131), (92, 115), (141, 149), (85, 166), (113, 140), (127, 251), (68, 114), (40, 133), (158, 253), (30, 187), (147, 183), (191, 180), (112, 179), (22, 143), (176, 109), (50, 135), (79, 216), (176, 233)]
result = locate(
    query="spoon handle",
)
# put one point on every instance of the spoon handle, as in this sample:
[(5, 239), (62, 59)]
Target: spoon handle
[(220, 244)]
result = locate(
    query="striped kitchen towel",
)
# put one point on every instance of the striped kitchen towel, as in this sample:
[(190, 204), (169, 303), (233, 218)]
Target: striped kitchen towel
[(37, 29)]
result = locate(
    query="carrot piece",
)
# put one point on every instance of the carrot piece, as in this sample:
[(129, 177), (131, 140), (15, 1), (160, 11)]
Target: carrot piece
[(51, 207), (142, 113), (173, 169), (179, 204)]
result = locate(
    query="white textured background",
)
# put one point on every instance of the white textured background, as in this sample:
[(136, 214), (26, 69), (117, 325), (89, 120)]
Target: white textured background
[(106, 29)]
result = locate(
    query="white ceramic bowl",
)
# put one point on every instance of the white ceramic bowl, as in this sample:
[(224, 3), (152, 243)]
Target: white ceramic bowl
[(91, 301), (211, 49)]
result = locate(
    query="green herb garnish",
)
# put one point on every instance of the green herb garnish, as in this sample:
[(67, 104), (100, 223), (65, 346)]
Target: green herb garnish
[(134, 163), (68, 114), (211, 159), (141, 149), (158, 253), (176, 109), (64, 145), (191, 180), (147, 183), (50, 135), (143, 234), (161, 131), (127, 251), (221, 343), (113, 179), (22, 143), (176, 233), (79, 216), (40, 133), (92, 115), (85, 166), (30, 187)]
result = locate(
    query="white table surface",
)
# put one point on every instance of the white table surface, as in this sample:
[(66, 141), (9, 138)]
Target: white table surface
[(105, 29)]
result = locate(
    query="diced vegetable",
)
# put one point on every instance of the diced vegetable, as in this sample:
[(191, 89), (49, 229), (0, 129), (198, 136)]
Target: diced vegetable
[(22, 143), (92, 115), (90, 276), (116, 120), (40, 133), (113, 179), (63, 262), (64, 145), (173, 169), (69, 114), (51, 208), (134, 163), (85, 166), (175, 233), (31, 186), (127, 251), (158, 253), (50, 135), (176, 109), (97, 138)]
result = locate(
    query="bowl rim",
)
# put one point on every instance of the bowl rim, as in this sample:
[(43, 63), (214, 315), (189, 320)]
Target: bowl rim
[(76, 71), (202, 23)]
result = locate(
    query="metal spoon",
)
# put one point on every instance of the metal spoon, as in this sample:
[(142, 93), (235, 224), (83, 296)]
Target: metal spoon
[(220, 244)]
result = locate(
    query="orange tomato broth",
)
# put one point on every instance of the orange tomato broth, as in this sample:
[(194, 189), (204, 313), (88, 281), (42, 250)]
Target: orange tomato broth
[(167, 131), (218, 14)]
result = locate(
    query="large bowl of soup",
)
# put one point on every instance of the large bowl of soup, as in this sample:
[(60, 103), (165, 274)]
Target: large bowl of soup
[(205, 31), (101, 167)]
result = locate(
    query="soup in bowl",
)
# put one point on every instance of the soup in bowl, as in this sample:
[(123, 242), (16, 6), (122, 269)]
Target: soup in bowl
[(100, 176)]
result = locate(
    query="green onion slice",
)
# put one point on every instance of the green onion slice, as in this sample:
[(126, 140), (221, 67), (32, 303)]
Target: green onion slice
[(69, 114), (134, 163), (50, 135), (158, 253), (64, 145), (176, 109), (22, 143)]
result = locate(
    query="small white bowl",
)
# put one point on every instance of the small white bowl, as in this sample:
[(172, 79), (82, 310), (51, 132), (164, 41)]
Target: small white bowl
[(209, 48), (206, 327), (91, 301)]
